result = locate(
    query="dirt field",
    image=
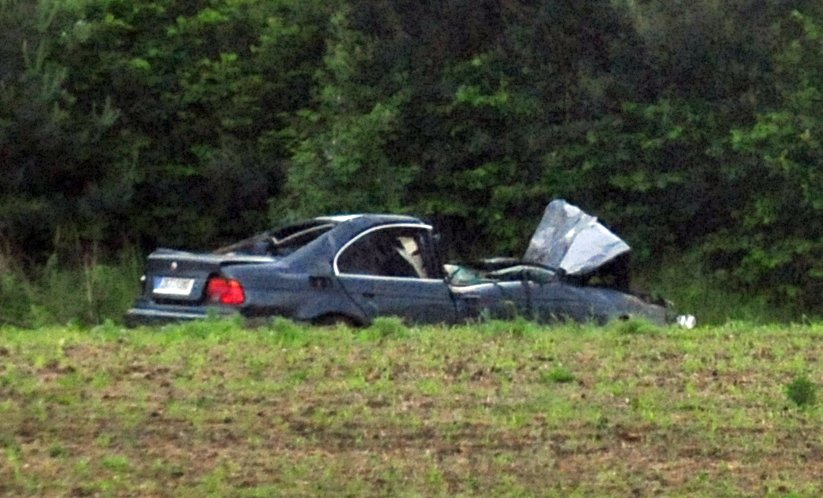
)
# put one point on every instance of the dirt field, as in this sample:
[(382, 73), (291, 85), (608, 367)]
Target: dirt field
[(500, 409)]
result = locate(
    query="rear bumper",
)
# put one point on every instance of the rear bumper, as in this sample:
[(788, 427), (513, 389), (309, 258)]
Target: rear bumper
[(148, 314)]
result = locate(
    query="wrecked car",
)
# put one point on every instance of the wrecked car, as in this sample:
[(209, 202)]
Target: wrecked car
[(354, 268)]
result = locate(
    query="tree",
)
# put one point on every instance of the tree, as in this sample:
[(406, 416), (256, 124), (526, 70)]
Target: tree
[(778, 238), (155, 121), (54, 155), (454, 110)]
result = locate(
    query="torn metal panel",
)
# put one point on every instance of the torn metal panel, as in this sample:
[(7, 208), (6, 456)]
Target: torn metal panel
[(573, 241)]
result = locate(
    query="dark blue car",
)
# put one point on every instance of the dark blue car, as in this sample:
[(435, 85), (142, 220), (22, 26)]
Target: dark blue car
[(354, 268)]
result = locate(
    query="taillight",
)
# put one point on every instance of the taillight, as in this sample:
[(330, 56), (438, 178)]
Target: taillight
[(225, 291)]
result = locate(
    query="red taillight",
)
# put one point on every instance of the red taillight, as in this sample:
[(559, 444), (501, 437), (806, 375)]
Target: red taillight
[(225, 291)]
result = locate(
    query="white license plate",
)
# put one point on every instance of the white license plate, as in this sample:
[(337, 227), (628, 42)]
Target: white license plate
[(173, 286)]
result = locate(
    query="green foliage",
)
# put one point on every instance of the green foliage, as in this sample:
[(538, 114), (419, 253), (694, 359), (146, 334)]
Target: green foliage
[(88, 291), (341, 162), (558, 375), (636, 326), (194, 80), (692, 286), (691, 127), (385, 328), (443, 111), (802, 392), (59, 171), (517, 327), (777, 241), (137, 114)]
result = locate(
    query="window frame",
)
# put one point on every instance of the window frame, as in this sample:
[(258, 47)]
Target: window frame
[(417, 226)]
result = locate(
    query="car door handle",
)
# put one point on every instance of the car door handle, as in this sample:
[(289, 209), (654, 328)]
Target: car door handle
[(368, 295), (319, 282)]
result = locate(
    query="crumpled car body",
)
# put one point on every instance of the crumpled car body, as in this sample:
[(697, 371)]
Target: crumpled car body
[(355, 268)]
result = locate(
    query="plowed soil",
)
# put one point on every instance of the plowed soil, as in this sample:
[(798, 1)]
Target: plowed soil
[(494, 410)]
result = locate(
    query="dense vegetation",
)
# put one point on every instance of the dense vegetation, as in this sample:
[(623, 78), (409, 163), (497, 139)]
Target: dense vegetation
[(502, 409), (691, 127)]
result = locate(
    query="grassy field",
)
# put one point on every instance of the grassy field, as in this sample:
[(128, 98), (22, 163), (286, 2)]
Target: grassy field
[(498, 409)]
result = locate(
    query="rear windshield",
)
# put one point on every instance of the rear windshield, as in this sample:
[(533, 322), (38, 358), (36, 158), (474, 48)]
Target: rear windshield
[(279, 242)]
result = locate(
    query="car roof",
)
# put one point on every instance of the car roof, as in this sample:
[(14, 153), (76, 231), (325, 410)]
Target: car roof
[(356, 220), (320, 252), (369, 218)]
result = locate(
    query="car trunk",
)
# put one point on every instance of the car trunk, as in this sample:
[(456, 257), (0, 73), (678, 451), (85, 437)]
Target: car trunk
[(178, 277)]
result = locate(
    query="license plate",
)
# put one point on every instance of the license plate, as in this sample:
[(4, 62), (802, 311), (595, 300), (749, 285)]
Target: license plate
[(173, 286)]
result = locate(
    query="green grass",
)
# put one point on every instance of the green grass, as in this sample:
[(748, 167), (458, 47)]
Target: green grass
[(509, 409), (684, 281), (87, 292)]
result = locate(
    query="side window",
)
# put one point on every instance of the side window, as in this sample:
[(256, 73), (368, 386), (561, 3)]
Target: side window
[(387, 252)]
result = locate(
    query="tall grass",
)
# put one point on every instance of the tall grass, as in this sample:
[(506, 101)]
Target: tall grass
[(684, 281), (86, 289)]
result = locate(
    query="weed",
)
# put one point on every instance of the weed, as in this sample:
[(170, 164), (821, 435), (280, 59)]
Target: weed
[(116, 463), (14, 461), (558, 375), (636, 326), (517, 327), (80, 289), (520, 327), (430, 387), (100, 380), (288, 332), (214, 327), (16, 296), (694, 288), (802, 391), (162, 468), (257, 367), (57, 451), (385, 328)]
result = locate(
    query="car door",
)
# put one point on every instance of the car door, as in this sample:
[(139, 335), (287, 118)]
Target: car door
[(391, 271), (560, 301), (498, 300)]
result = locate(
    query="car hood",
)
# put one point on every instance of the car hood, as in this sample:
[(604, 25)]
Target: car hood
[(572, 240)]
